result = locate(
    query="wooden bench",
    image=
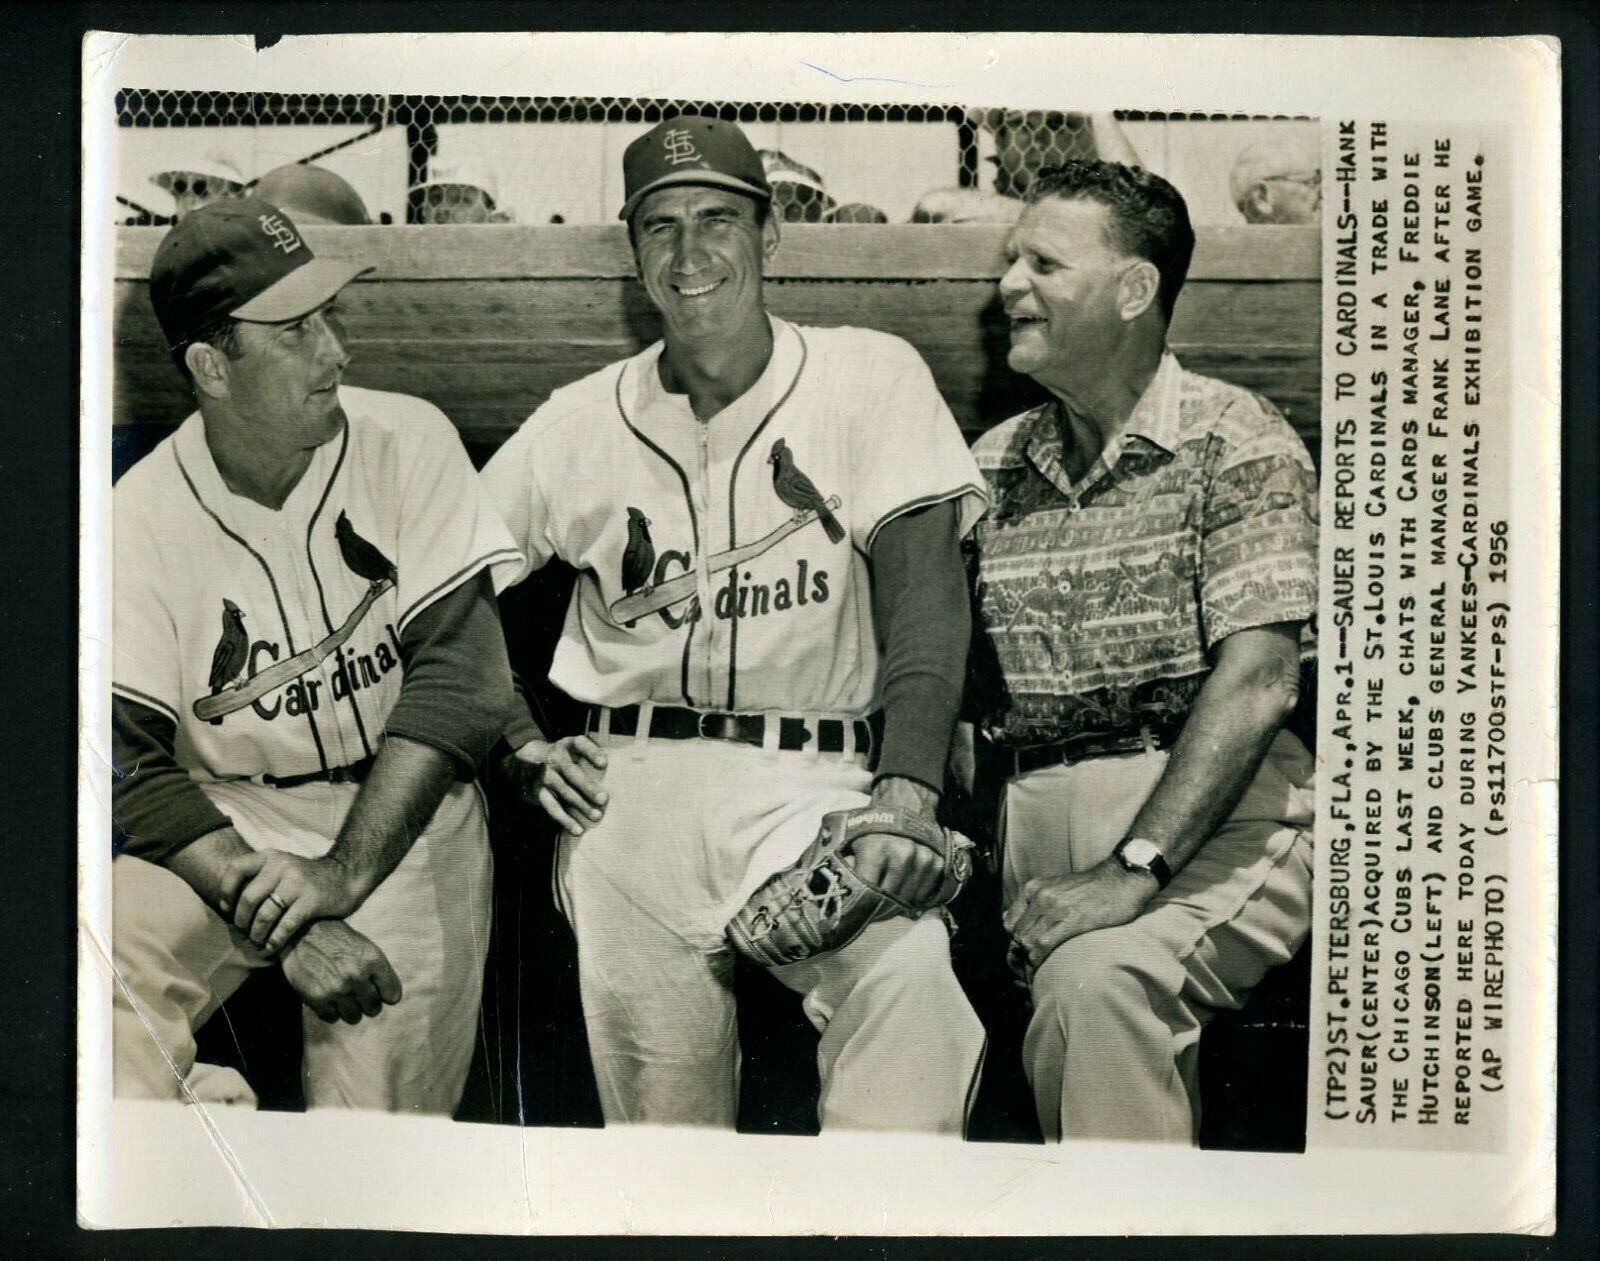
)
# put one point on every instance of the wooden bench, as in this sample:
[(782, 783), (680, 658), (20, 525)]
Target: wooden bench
[(486, 322)]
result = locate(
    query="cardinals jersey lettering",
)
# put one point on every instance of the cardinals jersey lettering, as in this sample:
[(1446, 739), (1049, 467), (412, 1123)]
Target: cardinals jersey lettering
[(724, 564), (276, 650)]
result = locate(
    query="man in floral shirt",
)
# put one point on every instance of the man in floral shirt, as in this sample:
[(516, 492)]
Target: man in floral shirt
[(1142, 584)]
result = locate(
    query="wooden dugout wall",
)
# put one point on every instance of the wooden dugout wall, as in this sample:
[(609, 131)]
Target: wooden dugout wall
[(486, 322)]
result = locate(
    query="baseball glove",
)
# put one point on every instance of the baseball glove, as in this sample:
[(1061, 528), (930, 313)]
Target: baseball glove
[(821, 903)]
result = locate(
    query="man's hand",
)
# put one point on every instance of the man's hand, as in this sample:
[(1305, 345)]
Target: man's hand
[(339, 974), (897, 864), (564, 778), (1049, 912), (283, 893)]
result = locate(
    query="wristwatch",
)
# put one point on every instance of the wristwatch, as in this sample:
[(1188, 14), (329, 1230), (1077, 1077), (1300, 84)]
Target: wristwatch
[(1137, 854)]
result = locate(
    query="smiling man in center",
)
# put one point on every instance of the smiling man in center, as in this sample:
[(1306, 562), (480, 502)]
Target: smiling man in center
[(770, 667)]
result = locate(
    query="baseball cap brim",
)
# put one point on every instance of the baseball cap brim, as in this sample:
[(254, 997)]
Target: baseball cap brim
[(714, 179), (211, 170), (301, 291)]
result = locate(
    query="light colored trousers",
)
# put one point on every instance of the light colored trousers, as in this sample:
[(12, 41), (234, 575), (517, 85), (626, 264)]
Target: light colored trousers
[(1112, 1048), (178, 960), (691, 830)]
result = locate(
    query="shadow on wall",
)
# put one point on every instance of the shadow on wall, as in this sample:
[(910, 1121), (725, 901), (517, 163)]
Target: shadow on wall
[(1004, 393)]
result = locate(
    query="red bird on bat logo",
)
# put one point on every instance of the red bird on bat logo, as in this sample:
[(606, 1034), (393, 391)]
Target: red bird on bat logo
[(799, 492)]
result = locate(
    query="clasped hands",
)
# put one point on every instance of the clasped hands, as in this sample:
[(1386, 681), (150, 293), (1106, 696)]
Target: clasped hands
[(295, 908)]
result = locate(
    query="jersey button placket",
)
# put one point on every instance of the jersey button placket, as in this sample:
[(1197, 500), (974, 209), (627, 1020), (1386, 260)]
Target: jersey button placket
[(708, 622)]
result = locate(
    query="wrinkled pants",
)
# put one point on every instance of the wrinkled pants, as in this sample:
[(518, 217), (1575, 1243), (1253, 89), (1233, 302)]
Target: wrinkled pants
[(1112, 1047)]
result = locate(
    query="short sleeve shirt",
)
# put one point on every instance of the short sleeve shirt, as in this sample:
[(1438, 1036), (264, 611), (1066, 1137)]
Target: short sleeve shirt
[(724, 564), (212, 589), (1098, 604)]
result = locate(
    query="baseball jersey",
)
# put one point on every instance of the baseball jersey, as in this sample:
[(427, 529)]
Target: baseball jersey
[(709, 571), (272, 637)]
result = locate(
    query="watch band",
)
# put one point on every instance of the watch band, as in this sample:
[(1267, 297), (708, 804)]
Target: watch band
[(1148, 859)]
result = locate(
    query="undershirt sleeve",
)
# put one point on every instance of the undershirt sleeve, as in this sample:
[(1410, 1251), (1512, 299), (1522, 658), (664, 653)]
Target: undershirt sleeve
[(923, 618), (457, 695), (156, 809), (522, 726)]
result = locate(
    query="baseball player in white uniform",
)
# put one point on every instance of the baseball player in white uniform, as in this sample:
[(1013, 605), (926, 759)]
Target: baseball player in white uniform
[(766, 522), (308, 665)]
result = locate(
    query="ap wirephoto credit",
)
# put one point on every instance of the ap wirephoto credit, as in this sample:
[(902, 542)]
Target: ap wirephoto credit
[(862, 621)]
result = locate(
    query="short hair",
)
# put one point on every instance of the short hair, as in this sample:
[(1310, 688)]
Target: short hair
[(221, 333), (1148, 216), (763, 211)]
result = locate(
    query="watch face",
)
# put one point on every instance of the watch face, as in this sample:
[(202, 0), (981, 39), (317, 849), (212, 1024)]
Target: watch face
[(1138, 852)]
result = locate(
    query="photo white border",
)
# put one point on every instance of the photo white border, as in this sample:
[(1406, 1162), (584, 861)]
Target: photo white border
[(158, 1165)]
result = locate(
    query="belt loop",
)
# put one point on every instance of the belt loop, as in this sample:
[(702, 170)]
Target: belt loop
[(847, 739), (602, 722), (771, 735), (813, 749), (1148, 737), (641, 734)]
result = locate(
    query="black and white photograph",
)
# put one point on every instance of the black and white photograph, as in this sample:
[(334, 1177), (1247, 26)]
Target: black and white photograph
[(891, 626)]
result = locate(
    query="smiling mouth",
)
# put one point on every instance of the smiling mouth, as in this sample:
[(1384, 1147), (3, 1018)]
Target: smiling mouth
[(697, 291), (1024, 321)]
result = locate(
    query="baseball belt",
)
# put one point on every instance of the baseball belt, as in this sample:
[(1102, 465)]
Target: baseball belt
[(673, 722), (355, 773), (1082, 747)]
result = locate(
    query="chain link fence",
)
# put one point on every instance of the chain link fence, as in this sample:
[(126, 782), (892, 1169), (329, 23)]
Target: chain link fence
[(501, 159)]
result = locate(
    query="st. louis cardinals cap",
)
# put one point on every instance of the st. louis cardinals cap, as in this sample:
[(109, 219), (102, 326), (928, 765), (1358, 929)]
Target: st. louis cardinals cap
[(242, 257), (691, 150)]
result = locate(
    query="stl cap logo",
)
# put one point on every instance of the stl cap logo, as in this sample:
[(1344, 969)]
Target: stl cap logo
[(282, 234), (677, 146)]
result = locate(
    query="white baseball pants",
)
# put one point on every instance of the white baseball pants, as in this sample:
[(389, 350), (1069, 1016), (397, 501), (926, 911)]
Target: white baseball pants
[(691, 829), (178, 961)]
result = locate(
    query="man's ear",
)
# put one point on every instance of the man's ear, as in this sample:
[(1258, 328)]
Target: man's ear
[(1140, 286), (770, 235), (206, 365)]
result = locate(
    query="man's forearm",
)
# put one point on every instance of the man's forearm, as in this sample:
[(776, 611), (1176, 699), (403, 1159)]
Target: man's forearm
[(1238, 712), (900, 793), (203, 864), (395, 804)]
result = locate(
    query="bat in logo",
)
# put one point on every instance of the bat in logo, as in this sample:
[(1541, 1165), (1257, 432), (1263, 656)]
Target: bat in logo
[(797, 490), (361, 556), (232, 649)]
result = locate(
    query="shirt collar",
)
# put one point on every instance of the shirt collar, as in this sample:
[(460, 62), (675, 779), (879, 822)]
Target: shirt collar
[(195, 457), (200, 468), (666, 418), (648, 392), (1155, 416), (1154, 419)]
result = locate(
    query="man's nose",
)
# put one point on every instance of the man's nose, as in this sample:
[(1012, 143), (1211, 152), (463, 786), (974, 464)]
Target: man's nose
[(331, 339), (689, 253), (1015, 281)]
